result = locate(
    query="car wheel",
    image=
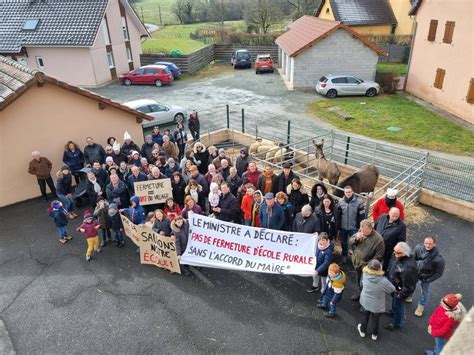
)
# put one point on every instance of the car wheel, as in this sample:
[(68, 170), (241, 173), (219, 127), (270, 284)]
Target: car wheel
[(179, 117), (158, 83), (331, 94), (371, 92), (127, 82)]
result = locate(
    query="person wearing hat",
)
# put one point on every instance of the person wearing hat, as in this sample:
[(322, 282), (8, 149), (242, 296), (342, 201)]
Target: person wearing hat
[(217, 161), (134, 158), (333, 291), (118, 156), (285, 177), (393, 230), (444, 320), (271, 213), (41, 168), (386, 202), (89, 228), (242, 162), (147, 148), (64, 188), (59, 216), (128, 145), (156, 136), (135, 213), (93, 151), (180, 137)]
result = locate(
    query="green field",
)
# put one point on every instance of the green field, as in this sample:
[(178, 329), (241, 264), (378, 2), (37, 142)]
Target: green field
[(151, 14), (397, 68), (420, 127)]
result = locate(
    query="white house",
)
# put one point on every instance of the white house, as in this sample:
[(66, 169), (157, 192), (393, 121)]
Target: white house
[(313, 47)]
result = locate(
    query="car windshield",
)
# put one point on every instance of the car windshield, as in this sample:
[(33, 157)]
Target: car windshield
[(242, 55), (323, 79)]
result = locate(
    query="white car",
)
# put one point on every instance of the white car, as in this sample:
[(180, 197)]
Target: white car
[(161, 113), (332, 86)]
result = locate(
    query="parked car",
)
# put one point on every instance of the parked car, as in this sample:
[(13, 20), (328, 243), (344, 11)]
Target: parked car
[(172, 67), (157, 75), (241, 58), (263, 63), (344, 85), (160, 112)]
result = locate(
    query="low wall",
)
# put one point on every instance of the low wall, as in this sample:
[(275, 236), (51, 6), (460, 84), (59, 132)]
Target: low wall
[(223, 52)]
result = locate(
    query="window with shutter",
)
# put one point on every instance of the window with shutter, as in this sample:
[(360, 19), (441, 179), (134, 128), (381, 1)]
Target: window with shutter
[(432, 31), (470, 92), (439, 79), (448, 31)]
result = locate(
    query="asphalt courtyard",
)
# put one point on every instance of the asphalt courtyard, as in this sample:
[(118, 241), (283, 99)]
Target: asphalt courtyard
[(53, 301)]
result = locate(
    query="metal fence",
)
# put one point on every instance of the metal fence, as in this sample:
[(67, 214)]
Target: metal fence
[(450, 178)]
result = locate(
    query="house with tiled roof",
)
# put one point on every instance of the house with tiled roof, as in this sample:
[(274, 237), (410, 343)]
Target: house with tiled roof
[(81, 42), (313, 47), (370, 17), (39, 112)]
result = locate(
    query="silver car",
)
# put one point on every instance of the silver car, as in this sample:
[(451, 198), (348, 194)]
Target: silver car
[(332, 86), (160, 112)]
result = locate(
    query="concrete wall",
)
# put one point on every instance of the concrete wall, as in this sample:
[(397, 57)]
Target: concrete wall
[(340, 53), (373, 30), (45, 119), (405, 23), (456, 58)]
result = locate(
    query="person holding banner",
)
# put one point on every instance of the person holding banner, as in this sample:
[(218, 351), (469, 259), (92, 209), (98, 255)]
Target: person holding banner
[(136, 176), (306, 221), (180, 230), (135, 213), (172, 209), (228, 209), (162, 224), (271, 213), (191, 206)]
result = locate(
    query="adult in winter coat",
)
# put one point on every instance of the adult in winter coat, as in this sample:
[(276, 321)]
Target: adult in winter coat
[(74, 158), (93, 151), (282, 200), (147, 148), (135, 176), (217, 160), (94, 188), (201, 155), (117, 192), (318, 191), (180, 230), (162, 223), (191, 206), (41, 168), (228, 208), (285, 177), (194, 125), (296, 197), (271, 213), (100, 173), (128, 145), (366, 245), (324, 250), (393, 230), (64, 188), (171, 149), (117, 155), (385, 203), (252, 173), (156, 136), (430, 265), (180, 137), (350, 213), (444, 320), (242, 162), (375, 287), (234, 181), (201, 180), (178, 185), (268, 181), (327, 216), (402, 273), (135, 213), (115, 222), (306, 221)]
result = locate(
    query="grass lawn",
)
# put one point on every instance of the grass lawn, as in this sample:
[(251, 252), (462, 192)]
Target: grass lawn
[(419, 127), (151, 14), (209, 70), (398, 68)]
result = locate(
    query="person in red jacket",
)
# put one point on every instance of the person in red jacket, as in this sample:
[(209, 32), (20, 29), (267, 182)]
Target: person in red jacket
[(445, 320), (386, 202)]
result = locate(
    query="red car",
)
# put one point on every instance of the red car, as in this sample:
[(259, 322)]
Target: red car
[(263, 63), (157, 75)]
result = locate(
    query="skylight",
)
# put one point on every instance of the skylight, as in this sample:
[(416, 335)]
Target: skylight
[(30, 25)]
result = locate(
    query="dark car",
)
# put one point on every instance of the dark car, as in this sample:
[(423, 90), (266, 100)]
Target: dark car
[(172, 67), (241, 59), (157, 75)]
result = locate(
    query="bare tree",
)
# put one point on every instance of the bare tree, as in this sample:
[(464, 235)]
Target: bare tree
[(303, 7), (262, 14), (184, 10)]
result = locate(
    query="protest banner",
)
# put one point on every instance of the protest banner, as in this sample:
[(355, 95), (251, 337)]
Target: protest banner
[(153, 191), (223, 245), (155, 249)]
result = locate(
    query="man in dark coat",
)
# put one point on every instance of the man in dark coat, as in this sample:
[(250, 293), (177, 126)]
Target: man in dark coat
[(306, 221), (41, 168), (271, 213), (135, 176), (430, 265), (224, 170), (100, 173), (93, 152), (234, 181), (268, 181), (117, 192), (402, 273), (242, 162), (285, 177), (228, 209), (393, 230), (147, 148)]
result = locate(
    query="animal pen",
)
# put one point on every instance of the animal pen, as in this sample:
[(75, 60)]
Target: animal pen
[(413, 173)]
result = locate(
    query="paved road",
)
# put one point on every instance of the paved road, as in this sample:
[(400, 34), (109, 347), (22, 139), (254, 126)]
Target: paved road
[(53, 301)]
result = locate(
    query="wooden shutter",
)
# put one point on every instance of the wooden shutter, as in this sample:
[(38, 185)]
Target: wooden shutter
[(439, 79), (432, 32), (470, 92), (448, 31)]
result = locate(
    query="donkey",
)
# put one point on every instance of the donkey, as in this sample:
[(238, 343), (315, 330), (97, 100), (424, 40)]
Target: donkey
[(363, 180), (326, 169)]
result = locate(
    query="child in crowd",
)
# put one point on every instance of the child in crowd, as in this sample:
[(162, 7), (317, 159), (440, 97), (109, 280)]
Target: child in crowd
[(172, 209), (193, 189), (246, 205), (101, 212), (115, 223), (214, 196), (324, 250), (150, 219), (135, 213), (89, 227), (59, 215), (334, 288)]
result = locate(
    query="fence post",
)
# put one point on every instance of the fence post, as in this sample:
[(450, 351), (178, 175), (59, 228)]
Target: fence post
[(228, 116), (288, 132), (374, 153), (332, 144), (347, 149), (243, 121)]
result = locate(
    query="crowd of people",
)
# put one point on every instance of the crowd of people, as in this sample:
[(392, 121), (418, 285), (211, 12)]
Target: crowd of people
[(207, 181)]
